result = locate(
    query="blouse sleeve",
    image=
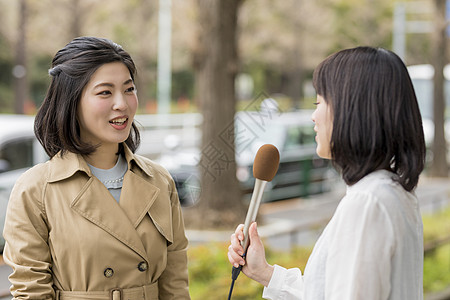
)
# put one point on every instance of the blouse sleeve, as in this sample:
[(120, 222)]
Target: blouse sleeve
[(360, 250), (26, 250), (285, 284)]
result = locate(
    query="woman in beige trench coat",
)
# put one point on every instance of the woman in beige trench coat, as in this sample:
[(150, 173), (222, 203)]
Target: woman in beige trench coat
[(71, 234)]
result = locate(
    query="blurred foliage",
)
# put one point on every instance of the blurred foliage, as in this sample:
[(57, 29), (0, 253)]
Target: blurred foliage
[(39, 78), (276, 39), (436, 225), (362, 22), (284, 102), (6, 65), (436, 270), (183, 84), (436, 266), (210, 271)]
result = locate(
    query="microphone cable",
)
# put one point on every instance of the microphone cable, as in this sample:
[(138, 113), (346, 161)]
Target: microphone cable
[(234, 275)]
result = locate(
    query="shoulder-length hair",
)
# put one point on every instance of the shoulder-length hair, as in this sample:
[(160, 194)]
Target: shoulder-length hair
[(376, 118), (56, 125)]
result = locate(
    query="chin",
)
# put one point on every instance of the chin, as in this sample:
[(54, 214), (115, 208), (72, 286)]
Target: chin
[(323, 154), (117, 141)]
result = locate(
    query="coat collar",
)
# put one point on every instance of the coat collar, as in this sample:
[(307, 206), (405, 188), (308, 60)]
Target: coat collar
[(120, 220), (67, 164)]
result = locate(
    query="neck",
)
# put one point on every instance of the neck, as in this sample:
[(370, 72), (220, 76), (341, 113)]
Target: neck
[(104, 157)]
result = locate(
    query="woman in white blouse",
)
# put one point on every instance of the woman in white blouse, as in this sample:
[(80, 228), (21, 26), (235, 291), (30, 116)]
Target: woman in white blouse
[(368, 123)]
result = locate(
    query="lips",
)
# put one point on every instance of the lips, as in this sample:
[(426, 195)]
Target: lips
[(119, 121)]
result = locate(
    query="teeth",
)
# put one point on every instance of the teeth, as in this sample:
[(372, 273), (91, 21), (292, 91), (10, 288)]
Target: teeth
[(118, 121)]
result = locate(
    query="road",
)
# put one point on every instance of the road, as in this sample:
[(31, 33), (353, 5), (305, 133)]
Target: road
[(4, 283)]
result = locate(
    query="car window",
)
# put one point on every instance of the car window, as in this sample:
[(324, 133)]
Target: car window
[(16, 154), (299, 136), (249, 137)]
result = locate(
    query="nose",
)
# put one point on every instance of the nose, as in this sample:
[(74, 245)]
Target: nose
[(120, 102), (313, 116)]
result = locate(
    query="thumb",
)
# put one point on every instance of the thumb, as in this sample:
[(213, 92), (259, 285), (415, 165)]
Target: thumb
[(253, 233)]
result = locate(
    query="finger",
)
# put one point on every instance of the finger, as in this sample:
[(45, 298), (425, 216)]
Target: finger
[(240, 232), (234, 258), (236, 245), (233, 238), (253, 233), (254, 229), (232, 261)]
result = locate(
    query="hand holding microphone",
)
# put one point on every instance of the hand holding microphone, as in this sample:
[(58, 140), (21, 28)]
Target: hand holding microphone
[(265, 167), (255, 265)]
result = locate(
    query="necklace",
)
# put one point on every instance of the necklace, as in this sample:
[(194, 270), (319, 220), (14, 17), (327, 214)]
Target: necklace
[(114, 180)]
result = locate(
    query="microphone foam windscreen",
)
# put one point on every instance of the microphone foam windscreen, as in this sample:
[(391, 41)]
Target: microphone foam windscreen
[(266, 162)]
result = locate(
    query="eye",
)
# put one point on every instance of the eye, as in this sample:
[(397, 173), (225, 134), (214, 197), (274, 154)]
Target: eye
[(130, 89), (104, 93), (316, 103)]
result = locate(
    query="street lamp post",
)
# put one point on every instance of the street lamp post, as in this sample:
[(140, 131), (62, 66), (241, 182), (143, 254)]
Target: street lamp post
[(164, 83)]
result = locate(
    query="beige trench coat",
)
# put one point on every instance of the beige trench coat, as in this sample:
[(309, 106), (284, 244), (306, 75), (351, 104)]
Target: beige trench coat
[(65, 232)]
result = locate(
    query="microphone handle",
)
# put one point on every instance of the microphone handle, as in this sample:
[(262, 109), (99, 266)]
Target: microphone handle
[(253, 208)]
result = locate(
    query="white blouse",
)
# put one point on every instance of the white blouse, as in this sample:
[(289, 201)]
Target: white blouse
[(372, 248)]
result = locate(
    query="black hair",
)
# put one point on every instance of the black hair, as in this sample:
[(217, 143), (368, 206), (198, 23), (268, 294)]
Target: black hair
[(56, 125), (376, 118)]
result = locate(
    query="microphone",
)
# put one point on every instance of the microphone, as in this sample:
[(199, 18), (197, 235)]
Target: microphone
[(265, 166)]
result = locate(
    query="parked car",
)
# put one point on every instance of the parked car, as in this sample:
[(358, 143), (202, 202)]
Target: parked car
[(422, 79), (301, 172), (19, 150)]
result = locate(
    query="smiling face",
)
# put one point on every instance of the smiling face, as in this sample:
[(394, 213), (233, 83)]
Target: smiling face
[(107, 106), (323, 120)]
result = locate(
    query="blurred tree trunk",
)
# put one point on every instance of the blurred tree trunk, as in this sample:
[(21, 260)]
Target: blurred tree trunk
[(296, 80), (20, 67), (216, 64), (76, 14), (439, 165), (296, 75)]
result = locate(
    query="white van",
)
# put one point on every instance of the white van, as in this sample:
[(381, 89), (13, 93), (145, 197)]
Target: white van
[(422, 79)]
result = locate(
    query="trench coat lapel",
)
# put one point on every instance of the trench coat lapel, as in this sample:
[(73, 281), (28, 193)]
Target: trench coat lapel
[(137, 197), (97, 205)]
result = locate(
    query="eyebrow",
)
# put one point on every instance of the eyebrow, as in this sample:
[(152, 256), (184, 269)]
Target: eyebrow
[(107, 84)]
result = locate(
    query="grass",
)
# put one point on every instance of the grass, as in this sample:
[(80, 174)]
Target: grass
[(436, 266), (210, 271), (436, 270), (436, 225)]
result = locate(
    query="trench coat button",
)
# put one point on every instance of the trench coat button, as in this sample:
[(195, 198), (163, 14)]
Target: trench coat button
[(142, 266), (108, 272)]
